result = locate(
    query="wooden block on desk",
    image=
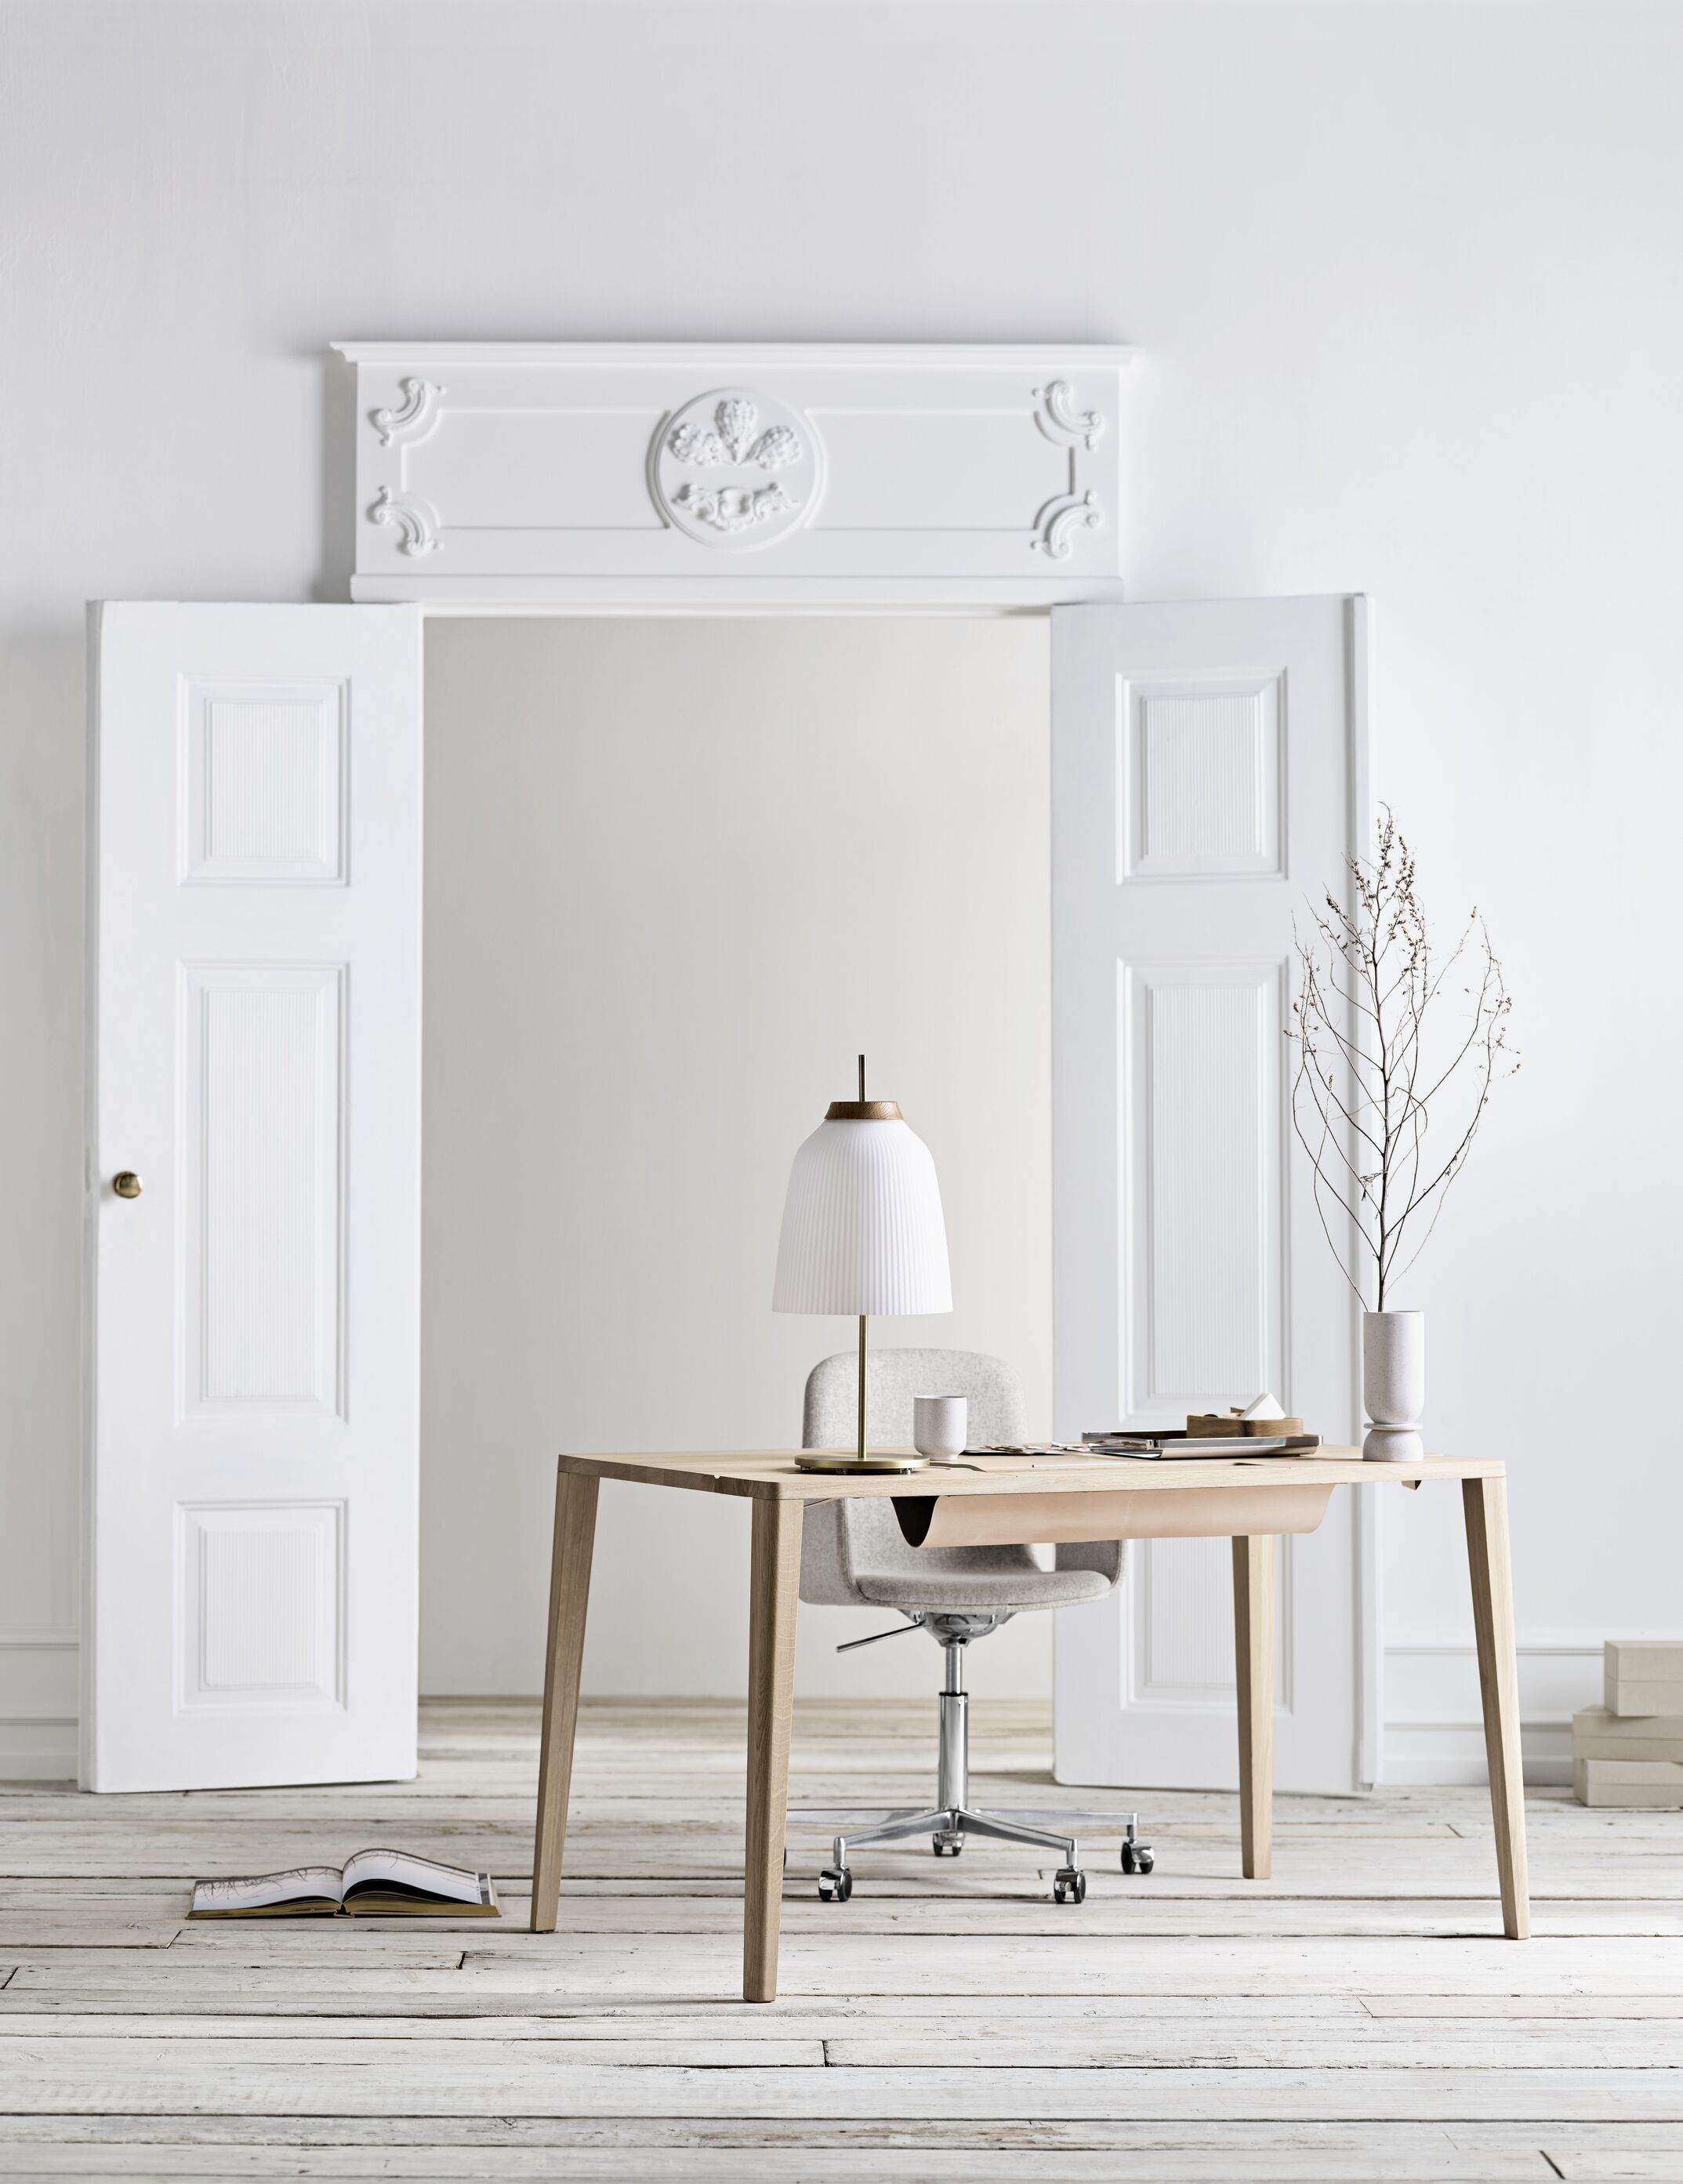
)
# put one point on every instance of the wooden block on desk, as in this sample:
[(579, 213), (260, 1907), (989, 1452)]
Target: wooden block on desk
[(1654, 1783), (1597, 1734), (1211, 1425)]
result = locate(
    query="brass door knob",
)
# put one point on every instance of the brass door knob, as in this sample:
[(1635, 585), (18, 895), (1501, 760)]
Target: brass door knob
[(126, 1184)]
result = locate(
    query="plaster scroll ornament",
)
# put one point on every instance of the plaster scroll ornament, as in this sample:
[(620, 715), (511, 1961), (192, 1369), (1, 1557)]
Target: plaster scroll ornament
[(415, 521), (1058, 518), (413, 417), (736, 469), (1060, 420)]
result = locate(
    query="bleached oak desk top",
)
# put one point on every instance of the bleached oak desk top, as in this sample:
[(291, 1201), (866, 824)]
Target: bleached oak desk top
[(771, 1474)]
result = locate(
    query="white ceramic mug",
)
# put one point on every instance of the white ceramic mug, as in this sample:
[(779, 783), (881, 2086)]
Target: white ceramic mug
[(939, 1426)]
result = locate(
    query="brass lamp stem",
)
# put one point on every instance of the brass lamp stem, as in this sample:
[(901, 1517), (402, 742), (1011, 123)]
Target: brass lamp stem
[(862, 1387)]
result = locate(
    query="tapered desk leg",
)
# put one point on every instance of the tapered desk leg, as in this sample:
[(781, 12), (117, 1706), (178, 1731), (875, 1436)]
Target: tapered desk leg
[(1484, 1503), (569, 1595), (1253, 1631), (774, 1588)]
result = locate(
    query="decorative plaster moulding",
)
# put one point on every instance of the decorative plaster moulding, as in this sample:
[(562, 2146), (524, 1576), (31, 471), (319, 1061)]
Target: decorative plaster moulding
[(504, 473)]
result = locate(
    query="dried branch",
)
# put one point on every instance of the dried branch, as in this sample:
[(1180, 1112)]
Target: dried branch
[(1369, 1028)]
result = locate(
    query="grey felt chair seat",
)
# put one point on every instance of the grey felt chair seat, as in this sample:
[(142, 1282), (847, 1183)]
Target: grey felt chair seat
[(1018, 1581)]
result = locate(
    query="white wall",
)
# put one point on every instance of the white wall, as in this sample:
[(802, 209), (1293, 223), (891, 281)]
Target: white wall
[(1406, 279), (678, 872)]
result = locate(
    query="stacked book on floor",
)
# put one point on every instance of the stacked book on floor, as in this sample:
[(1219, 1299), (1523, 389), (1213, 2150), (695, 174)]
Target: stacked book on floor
[(1630, 1750)]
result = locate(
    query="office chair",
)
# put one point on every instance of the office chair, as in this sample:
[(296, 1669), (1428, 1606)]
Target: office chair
[(853, 1554)]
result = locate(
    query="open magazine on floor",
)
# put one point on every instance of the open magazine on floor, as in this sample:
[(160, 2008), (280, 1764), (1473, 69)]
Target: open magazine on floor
[(383, 1883)]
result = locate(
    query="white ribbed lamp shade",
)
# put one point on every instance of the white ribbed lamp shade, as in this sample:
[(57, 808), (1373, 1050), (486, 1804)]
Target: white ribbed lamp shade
[(862, 1227)]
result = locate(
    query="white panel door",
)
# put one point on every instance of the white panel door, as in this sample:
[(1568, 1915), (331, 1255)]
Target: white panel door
[(1207, 767), (255, 996)]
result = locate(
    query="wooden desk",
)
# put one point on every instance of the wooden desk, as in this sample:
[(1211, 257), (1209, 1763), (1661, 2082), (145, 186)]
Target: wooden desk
[(779, 1493)]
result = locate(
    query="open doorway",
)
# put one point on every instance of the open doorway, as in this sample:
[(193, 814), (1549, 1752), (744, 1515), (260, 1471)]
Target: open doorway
[(678, 872)]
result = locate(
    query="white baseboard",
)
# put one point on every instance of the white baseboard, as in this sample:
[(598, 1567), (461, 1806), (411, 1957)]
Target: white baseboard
[(1433, 1732), (1433, 1729), (39, 1698)]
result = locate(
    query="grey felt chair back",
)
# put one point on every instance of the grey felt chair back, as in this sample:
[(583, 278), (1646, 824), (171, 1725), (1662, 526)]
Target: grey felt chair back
[(843, 1541), (894, 1377)]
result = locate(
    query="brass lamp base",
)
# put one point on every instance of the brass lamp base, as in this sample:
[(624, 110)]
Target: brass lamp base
[(847, 1459)]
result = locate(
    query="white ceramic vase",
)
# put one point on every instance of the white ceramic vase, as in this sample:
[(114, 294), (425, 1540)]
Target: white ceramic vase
[(1394, 1384)]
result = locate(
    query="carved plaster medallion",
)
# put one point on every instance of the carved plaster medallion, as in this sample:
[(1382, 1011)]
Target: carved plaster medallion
[(736, 469)]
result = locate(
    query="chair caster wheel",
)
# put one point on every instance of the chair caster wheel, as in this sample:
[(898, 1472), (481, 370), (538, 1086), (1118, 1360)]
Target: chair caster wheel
[(835, 1883), (1069, 1886), (946, 1846), (1137, 1858)]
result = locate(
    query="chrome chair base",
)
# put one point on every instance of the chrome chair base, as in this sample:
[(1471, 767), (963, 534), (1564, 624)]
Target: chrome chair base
[(951, 1819)]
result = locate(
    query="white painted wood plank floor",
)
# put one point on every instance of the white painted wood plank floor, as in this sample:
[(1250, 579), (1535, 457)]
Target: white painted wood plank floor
[(1358, 2017)]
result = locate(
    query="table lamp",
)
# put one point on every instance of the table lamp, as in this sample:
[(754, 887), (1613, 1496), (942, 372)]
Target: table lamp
[(863, 1233)]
